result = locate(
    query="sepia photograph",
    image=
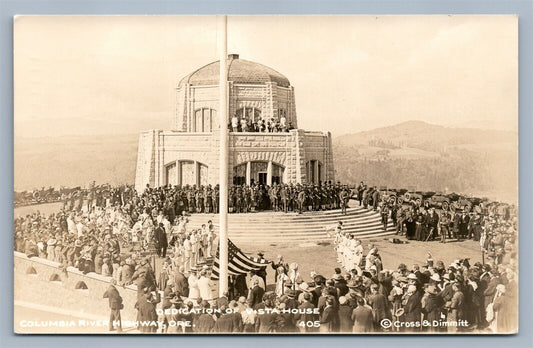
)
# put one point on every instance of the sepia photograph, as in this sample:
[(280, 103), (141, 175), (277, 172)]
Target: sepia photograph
[(266, 174)]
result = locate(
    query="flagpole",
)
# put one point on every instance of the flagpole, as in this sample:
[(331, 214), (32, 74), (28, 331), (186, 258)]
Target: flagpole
[(223, 165)]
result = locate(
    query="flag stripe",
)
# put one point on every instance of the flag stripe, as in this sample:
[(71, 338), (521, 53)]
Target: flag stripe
[(238, 262)]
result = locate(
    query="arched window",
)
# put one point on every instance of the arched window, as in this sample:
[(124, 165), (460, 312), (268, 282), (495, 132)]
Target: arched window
[(249, 113), (203, 120)]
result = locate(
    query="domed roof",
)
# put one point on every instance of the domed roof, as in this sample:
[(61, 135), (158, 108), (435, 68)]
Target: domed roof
[(239, 71)]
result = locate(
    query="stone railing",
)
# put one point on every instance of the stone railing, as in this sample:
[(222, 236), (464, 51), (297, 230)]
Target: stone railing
[(44, 282)]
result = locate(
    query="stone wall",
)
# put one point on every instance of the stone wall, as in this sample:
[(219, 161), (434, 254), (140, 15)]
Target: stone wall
[(290, 150), (267, 97), (145, 171), (39, 289)]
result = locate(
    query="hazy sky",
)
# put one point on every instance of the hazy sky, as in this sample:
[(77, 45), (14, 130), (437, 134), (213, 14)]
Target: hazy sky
[(117, 74)]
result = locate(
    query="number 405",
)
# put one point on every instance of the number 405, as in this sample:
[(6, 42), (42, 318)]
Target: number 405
[(315, 323)]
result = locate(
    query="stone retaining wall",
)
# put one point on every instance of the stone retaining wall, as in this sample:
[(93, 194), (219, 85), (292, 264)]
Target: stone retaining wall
[(38, 288)]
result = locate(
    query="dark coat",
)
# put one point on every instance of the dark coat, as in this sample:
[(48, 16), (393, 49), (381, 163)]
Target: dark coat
[(379, 306), (115, 300), (362, 319), (266, 323), (255, 296), (329, 319), (433, 307), (413, 308), (345, 318), (204, 323), (225, 324), (161, 237), (305, 317), (181, 284)]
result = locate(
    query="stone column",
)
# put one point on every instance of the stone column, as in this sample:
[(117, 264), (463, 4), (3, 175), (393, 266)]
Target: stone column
[(269, 173), (315, 165), (178, 173), (248, 173), (196, 174)]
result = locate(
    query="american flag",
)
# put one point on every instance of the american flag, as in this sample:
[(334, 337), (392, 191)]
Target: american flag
[(238, 262)]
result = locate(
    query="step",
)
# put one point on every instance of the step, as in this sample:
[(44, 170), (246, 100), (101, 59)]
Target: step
[(305, 238), (275, 234), (298, 226), (285, 218)]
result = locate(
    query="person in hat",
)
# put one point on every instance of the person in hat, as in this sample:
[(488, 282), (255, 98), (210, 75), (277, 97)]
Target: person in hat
[(329, 319), (319, 281), (378, 302), (223, 300), (412, 305), (115, 305), (455, 307), (285, 320), (345, 315), (50, 249), (362, 317), (305, 313), (340, 284), (290, 299), (433, 305), (262, 271)]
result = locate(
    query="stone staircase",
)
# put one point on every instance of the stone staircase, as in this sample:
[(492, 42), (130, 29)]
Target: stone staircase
[(278, 227)]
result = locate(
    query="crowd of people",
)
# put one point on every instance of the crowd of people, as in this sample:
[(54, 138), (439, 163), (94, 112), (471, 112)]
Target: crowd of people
[(116, 235), (177, 200), (479, 297), (368, 298), (260, 125)]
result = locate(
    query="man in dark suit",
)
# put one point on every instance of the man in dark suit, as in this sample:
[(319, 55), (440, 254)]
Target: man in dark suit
[(225, 323), (305, 314), (161, 240), (464, 219), (329, 319), (317, 291), (223, 300), (413, 305), (362, 317), (255, 296), (433, 223), (115, 305), (267, 321), (180, 282)]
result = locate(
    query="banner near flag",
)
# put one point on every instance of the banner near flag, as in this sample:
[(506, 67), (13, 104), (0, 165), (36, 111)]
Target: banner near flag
[(238, 262)]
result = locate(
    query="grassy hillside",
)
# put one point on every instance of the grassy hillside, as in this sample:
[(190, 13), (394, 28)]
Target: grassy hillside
[(432, 157)]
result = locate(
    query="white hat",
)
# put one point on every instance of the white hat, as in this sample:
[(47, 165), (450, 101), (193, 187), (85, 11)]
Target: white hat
[(412, 276), (435, 277)]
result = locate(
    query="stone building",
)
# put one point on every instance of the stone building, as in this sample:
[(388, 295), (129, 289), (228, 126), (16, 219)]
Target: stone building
[(188, 153)]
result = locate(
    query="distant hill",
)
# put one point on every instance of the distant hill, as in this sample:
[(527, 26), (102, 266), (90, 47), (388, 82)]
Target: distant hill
[(74, 160), (431, 157), (414, 153)]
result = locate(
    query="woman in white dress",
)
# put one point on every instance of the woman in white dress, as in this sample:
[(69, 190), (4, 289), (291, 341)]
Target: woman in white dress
[(281, 281), (194, 290), (205, 286)]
